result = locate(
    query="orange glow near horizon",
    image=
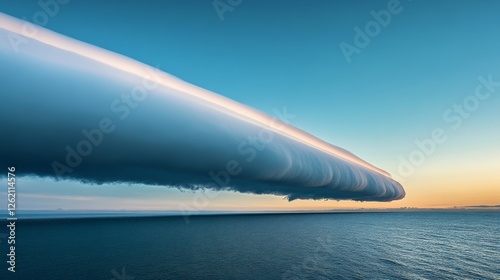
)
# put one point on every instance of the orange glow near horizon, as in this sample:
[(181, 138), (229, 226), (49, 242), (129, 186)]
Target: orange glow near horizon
[(443, 182)]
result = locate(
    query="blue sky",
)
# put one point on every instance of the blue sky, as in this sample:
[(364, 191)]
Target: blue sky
[(271, 54)]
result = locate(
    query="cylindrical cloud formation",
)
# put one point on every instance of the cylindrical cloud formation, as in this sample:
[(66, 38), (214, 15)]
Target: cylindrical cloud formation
[(75, 111)]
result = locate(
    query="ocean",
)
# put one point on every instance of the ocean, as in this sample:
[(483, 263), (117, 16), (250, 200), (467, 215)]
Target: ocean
[(379, 245)]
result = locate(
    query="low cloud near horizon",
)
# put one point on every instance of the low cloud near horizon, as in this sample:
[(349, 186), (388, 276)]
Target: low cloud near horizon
[(75, 111)]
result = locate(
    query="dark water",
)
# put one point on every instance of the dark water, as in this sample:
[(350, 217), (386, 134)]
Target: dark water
[(410, 245)]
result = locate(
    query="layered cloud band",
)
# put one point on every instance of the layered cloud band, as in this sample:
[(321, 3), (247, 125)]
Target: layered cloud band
[(75, 111)]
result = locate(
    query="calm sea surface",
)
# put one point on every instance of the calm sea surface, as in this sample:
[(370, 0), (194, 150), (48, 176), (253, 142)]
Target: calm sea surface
[(406, 245)]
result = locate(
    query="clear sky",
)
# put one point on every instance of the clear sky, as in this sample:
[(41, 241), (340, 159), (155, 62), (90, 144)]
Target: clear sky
[(415, 78)]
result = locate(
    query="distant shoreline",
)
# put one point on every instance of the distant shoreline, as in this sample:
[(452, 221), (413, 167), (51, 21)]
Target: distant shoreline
[(30, 215)]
